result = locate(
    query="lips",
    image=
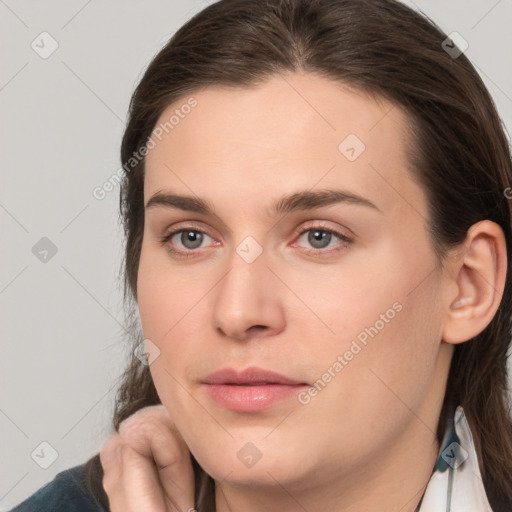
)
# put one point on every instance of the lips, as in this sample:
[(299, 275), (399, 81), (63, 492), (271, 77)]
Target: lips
[(250, 390), (249, 377)]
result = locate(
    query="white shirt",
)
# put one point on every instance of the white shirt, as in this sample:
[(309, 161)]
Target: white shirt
[(456, 483)]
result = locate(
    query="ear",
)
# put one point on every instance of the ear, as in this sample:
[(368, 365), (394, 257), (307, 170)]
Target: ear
[(478, 275)]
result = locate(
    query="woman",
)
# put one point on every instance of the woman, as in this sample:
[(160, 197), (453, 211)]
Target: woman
[(318, 246)]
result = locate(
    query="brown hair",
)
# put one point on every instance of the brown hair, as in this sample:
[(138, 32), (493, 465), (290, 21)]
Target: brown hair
[(460, 155)]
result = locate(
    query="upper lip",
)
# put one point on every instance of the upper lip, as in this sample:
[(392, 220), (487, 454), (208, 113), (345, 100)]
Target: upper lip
[(250, 376)]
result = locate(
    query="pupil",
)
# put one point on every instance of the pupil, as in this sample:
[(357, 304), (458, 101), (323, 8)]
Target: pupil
[(319, 238), (191, 239)]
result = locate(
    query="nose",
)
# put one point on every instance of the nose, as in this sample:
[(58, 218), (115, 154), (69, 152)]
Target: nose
[(248, 303)]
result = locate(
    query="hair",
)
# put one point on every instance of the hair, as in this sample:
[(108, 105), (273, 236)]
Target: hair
[(460, 155)]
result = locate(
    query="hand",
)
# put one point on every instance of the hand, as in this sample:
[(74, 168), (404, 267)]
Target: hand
[(147, 465)]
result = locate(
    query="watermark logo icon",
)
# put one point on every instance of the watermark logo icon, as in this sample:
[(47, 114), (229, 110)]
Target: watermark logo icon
[(249, 249), (454, 45), (351, 147), (44, 45), (146, 352), (44, 249), (454, 455), (249, 454), (44, 455)]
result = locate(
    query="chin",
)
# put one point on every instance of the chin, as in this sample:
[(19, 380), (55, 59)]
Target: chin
[(258, 463)]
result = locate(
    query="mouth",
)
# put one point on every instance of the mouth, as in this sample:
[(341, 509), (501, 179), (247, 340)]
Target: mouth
[(250, 390)]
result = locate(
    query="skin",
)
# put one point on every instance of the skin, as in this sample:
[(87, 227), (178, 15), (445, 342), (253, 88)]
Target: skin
[(367, 440), (146, 465)]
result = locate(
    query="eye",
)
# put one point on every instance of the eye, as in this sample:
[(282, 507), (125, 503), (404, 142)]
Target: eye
[(189, 239), (320, 237), (185, 241)]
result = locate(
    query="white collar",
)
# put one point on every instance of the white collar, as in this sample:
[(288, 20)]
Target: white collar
[(456, 483)]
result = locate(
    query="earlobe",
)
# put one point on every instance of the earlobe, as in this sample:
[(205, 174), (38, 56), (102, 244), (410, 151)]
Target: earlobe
[(479, 276)]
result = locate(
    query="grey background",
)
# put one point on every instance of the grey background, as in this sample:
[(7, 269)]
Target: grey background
[(62, 120)]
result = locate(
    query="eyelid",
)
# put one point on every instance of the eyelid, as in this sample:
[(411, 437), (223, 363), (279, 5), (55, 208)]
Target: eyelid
[(184, 226), (190, 225), (322, 225)]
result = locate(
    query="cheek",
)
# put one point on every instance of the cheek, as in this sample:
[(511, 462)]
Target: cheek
[(390, 360), (387, 331), (166, 295), (170, 303)]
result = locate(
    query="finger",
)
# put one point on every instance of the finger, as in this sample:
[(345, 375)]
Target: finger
[(142, 489), (151, 433), (112, 464), (153, 421), (110, 458), (131, 480)]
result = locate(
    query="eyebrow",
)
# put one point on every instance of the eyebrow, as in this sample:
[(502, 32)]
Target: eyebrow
[(304, 200)]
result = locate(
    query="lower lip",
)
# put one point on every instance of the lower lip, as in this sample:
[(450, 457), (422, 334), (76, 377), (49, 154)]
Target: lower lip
[(251, 398)]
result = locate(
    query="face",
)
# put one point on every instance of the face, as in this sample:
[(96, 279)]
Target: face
[(303, 251)]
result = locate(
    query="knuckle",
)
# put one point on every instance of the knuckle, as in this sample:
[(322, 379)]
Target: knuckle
[(146, 415), (145, 423)]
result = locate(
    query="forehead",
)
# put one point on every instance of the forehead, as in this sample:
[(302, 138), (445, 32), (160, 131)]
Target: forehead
[(295, 131)]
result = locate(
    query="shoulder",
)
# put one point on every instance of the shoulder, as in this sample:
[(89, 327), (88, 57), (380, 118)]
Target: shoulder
[(67, 492)]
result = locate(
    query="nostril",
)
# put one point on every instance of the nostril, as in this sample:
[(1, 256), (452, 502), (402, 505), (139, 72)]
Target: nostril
[(255, 330)]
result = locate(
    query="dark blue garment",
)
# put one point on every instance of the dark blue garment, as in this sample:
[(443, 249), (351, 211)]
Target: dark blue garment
[(67, 492)]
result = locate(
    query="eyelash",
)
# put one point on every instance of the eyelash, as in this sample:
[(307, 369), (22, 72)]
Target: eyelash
[(344, 240)]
